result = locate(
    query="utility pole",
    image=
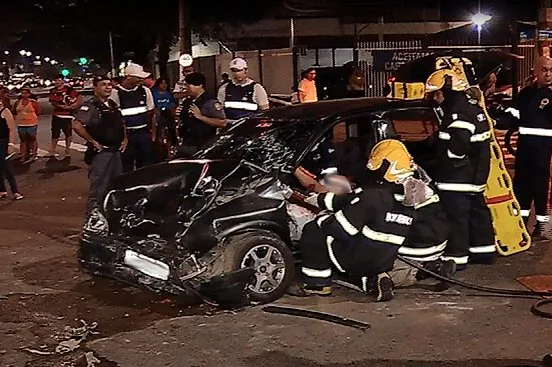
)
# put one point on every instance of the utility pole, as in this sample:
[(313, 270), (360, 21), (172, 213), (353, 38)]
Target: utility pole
[(185, 31), (542, 48), (293, 47), (113, 71)]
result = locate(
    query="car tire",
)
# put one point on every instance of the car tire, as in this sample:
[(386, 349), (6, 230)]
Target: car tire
[(238, 254)]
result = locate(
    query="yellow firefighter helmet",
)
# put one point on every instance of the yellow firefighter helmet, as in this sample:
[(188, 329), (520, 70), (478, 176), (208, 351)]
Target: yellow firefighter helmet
[(400, 161), (438, 80)]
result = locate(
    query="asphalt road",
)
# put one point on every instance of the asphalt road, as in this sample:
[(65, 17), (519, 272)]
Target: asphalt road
[(42, 291), (45, 134)]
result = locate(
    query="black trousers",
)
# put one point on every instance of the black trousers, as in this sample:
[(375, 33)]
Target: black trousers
[(471, 226), (531, 180), (356, 259), (139, 151)]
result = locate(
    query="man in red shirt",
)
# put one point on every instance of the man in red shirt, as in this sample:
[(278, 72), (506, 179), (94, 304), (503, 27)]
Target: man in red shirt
[(65, 101)]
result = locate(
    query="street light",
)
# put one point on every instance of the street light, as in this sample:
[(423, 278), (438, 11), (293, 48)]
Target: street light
[(28, 53), (6, 52), (47, 59), (22, 52), (37, 57), (479, 19)]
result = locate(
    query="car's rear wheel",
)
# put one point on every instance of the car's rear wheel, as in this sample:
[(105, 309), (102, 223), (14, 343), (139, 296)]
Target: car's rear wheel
[(271, 258)]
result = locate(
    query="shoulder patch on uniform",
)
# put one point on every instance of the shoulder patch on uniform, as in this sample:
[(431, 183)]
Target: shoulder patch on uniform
[(455, 116), (84, 108), (218, 106)]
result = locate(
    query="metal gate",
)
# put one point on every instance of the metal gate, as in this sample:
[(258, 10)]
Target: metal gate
[(400, 52), (376, 75)]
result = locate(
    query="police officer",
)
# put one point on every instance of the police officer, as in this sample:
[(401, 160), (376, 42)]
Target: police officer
[(463, 169), (200, 117), (363, 235), (242, 96), (137, 106), (533, 115), (100, 123)]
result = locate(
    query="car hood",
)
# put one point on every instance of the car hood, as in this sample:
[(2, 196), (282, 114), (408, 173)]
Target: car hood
[(184, 173)]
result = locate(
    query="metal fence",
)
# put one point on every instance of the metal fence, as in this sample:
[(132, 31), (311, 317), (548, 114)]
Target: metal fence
[(379, 60)]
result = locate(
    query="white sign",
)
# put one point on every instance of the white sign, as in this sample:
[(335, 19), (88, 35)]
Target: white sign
[(185, 60)]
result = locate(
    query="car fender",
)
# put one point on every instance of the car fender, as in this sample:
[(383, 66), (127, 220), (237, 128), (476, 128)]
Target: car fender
[(254, 226)]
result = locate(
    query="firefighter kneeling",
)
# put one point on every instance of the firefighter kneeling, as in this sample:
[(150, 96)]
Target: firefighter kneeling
[(369, 226)]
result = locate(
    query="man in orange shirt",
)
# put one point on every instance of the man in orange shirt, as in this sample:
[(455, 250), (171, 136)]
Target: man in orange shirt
[(307, 87)]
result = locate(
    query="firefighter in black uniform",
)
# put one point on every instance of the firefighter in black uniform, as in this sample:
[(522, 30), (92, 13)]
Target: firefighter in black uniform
[(100, 123), (362, 237), (201, 116), (533, 116), (463, 170)]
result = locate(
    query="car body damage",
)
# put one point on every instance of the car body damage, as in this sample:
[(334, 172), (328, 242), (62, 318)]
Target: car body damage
[(224, 223)]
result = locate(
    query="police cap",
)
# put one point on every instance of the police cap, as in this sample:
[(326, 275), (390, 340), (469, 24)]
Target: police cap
[(196, 79), (100, 78)]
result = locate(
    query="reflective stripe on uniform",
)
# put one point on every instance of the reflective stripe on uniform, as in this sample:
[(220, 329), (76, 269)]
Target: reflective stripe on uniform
[(382, 237), (345, 224), (398, 197), (514, 112), (460, 187), (358, 190), (329, 242), (239, 105), (431, 200), (136, 127), (487, 249), (426, 251), (328, 201), (525, 212), (477, 138), (459, 260), (459, 124), (134, 111), (543, 218), (313, 273), (321, 220), (534, 131), (454, 156)]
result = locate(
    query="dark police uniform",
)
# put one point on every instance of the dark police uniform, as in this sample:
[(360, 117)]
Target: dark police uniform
[(464, 165), (104, 123), (134, 107), (361, 239), (194, 132), (239, 102), (534, 148)]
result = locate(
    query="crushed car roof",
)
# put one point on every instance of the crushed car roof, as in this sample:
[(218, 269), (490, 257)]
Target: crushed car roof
[(323, 109)]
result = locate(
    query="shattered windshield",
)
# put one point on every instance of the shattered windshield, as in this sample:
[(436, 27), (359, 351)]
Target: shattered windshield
[(262, 142)]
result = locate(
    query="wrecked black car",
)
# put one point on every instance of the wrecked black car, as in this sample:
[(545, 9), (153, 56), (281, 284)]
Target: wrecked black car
[(218, 225)]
